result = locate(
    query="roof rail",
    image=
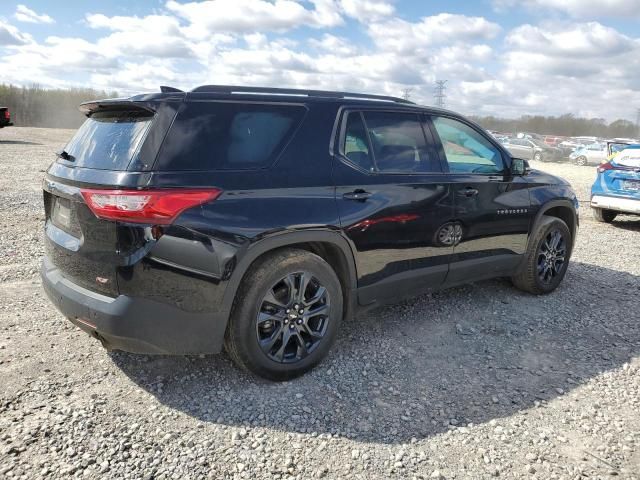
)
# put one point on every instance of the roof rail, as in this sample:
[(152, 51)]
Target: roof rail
[(294, 91)]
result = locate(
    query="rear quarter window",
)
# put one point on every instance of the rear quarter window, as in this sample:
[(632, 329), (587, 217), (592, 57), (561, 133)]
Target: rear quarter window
[(228, 136)]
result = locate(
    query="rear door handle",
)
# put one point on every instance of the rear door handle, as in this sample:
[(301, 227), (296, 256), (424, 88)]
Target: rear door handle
[(360, 195), (468, 192)]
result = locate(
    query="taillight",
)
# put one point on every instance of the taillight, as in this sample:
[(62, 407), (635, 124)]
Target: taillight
[(158, 207), (603, 167), (7, 115)]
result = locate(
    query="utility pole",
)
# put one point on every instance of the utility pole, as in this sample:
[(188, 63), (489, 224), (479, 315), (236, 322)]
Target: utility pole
[(438, 93)]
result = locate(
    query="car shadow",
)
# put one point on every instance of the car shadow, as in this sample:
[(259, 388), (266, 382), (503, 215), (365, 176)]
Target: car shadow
[(631, 223), (18, 142), (415, 369)]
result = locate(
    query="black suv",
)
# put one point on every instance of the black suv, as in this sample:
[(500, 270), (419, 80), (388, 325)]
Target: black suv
[(261, 218)]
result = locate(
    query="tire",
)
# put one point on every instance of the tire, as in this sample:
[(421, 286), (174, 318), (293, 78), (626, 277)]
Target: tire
[(603, 215), (538, 157), (269, 289), (529, 277), (582, 161)]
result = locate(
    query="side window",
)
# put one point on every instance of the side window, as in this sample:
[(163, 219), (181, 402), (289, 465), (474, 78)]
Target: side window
[(467, 151), (356, 145), (398, 143), (228, 136)]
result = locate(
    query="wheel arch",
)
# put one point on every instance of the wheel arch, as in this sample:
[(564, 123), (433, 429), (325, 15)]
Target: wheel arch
[(562, 209), (328, 245)]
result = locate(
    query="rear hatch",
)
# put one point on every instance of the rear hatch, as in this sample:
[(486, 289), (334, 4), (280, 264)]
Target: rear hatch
[(114, 149), (622, 174)]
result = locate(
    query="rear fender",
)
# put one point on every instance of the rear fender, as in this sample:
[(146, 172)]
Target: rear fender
[(281, 240)]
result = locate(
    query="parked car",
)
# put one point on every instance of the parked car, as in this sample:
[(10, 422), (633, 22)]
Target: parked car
[(259, 218), (553, 141), (617, 186), (593, 154), (531, 149), (5, 117)]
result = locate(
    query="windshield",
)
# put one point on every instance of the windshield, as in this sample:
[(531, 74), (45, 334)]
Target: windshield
[(108, 140)]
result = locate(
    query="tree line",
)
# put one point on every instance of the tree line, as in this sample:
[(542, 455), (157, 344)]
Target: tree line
[(34, 106), (565, 125)]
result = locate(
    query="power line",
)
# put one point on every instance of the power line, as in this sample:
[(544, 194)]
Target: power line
[(438, 93)]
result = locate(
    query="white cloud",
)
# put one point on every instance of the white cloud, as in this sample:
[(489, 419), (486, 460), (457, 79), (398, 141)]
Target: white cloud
[(333, 44), (585, 40), (10, 35), (577, 8), (364, 10), (25, 14), (446, 28), (244, 16)]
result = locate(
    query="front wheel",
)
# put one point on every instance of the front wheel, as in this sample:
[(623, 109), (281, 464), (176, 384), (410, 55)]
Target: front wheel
[(538, 157), (603, 215), (582, 161), (547, 258), (286, 315)]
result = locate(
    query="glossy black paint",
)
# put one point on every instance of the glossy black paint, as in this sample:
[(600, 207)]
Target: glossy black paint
[(391, 244)]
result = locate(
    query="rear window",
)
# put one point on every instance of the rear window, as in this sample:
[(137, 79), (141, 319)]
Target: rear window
[(108, 140), (228, 136)]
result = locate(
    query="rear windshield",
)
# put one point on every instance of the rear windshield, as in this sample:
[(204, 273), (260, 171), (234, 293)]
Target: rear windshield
[(108, 140), (228, 136)]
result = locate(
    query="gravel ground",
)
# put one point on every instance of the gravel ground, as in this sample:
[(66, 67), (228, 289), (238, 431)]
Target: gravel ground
[(480, 381)]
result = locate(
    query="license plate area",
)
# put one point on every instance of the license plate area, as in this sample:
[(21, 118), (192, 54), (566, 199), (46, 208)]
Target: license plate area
[(632, 185), (63, 215)]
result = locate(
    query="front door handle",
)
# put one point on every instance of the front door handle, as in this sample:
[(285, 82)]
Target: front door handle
[(359, 195), (468, 192)]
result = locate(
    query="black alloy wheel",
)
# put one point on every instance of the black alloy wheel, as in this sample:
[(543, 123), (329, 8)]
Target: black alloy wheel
[(293, 318), (551, 256), (286, 314)]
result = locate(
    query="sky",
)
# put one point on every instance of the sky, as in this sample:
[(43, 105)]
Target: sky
[(500, 57)]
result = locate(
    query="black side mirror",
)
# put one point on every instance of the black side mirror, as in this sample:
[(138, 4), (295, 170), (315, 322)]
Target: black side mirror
[(519, 166)]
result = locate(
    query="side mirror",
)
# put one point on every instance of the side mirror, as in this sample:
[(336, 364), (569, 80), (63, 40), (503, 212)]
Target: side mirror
[(519, 166)]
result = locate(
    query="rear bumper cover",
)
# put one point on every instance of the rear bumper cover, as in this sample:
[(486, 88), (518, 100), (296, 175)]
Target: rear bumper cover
[(136, 325), (619, 204)]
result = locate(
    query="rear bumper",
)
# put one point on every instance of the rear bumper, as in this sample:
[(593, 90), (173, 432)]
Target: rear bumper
[(618, 204), (136, 325)]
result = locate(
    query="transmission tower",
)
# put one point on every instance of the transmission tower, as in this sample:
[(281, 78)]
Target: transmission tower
[(638, 122), (438, 93)]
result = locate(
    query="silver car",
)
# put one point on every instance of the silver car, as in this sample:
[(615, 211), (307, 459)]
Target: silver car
[(593, 154), (530, 149)]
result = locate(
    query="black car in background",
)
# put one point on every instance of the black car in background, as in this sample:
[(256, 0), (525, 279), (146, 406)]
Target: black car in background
[(260, 219), (5, 117)]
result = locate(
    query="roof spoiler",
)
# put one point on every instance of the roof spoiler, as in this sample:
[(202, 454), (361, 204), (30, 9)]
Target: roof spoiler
[(167, 89), (112, 104)]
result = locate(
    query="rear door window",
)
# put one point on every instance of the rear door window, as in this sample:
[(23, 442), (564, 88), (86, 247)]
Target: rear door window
[(108, 140), (399, 144), (228, 136), (356, 143)]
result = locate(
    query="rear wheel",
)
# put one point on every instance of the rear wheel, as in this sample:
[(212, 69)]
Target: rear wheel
[(582, 161), (603, 215), (537, 157), (547, 258), (285, 316)]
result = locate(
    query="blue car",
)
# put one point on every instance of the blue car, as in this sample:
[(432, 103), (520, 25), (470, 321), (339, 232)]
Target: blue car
[(617, 186)]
